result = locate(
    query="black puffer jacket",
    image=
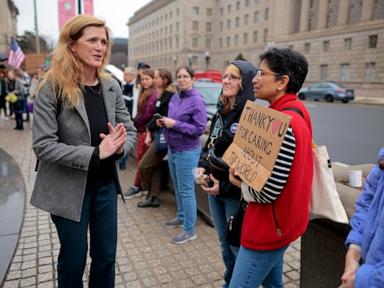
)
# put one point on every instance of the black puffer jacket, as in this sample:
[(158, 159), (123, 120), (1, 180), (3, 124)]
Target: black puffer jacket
[(230, 121)]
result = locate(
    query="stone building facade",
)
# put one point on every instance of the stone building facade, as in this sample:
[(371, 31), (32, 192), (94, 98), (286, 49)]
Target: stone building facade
[(343, 40), (8, 14)]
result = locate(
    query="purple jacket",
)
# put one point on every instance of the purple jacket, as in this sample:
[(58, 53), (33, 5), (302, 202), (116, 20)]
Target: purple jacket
[(145, 112), (189, 111)]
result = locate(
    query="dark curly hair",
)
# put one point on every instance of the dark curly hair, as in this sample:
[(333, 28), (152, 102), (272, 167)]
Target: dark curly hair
[(284, 61)]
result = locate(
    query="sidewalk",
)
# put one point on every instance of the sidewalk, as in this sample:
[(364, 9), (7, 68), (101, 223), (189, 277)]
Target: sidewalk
[(145, 256)]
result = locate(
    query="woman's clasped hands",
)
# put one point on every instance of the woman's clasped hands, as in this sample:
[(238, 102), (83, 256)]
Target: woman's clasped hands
[(113, 142)]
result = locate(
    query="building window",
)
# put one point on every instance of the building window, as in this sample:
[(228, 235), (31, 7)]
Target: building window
[(307, 48), (348, 43), (221, 26), (209, 12), (229, 8), (177, 12), (208, 43), (177, 41), (236, 40), (323, 72), (266, 14), (256, 16), (237, 5), (195, 25), (221, 43), (254, 36), (237, 21), (370, 72), (177, 26), (194, 60), (195, 42), (228, 42), (209, 27), (246, 3), (229, 24), (326, 46), (221, 11), (344, 72), (245, 38), (372, 41), (195, 11), (265, 35), (170, 15), (246, 18)]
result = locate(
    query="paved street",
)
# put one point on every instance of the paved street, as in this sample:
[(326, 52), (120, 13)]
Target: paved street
[(145, 257)]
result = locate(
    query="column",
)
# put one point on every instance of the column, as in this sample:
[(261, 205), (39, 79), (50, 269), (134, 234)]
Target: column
[(342, 17), (366, 13), (322, 14), (304, 15)]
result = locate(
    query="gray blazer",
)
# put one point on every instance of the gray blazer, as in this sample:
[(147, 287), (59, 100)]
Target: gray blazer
[(63, 145)]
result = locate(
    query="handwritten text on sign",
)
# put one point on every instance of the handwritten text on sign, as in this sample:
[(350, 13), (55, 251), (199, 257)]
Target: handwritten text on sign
[(257, 143)]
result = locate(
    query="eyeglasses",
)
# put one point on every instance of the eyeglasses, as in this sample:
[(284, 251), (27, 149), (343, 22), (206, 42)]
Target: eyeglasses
[(178, 77), (261, 73), (230, 77)]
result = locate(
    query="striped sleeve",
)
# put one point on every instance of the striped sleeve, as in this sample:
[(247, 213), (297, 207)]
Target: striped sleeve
[(279, 176)]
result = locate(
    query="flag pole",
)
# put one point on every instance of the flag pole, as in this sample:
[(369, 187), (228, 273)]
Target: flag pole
[(37, 38)]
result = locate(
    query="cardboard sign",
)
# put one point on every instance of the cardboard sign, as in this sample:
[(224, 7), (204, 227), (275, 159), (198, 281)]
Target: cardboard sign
[(257, 143)]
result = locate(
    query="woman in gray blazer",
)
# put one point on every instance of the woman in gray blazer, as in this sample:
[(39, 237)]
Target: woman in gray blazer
[(81, 127)]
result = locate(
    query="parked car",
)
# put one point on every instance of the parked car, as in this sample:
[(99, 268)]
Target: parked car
[(211, 92), (329, 91)]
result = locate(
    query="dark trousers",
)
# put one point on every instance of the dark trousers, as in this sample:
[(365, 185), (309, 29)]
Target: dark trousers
[(150, 170), (99, 211)]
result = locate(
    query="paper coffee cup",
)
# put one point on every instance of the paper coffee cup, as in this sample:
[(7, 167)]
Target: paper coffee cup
[(355, 178)]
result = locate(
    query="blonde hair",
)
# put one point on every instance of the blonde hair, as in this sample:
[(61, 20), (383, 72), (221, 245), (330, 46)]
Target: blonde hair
[(65, 74), (228, 103)]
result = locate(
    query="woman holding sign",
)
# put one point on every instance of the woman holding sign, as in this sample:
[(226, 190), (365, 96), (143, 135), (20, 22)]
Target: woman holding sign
[(279, 213), (223, 196)]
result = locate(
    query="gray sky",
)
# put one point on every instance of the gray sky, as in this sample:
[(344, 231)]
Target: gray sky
[(115, 12)]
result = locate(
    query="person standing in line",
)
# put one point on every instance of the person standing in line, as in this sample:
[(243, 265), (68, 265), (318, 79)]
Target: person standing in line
[(80, 129), (130, 74), (223, 197), (364, 261), (150, 165), (145, 107), (279, 213), (15, 86), (3, 92), (186, 121)]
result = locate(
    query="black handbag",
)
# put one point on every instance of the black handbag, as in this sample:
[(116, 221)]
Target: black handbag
[(216, 165), (235, 224)]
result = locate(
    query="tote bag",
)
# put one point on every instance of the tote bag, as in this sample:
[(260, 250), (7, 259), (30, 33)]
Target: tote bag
[(325, 200), (160, 143)]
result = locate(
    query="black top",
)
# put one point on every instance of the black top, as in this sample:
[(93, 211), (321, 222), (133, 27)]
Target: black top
[(161, 107), (101, 172)]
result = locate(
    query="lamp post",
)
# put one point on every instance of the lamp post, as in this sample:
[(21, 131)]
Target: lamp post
[(190, 60), (207, 59)]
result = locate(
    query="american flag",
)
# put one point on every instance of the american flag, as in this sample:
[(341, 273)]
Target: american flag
[(16, 56)]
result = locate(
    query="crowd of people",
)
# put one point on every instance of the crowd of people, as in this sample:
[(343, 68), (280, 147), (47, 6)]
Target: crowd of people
[(17, 91), (86, 123)]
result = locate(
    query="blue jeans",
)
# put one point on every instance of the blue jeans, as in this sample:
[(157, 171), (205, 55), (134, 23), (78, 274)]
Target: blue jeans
[(181, 165), (99, 211), (221, 209), (256, 267)]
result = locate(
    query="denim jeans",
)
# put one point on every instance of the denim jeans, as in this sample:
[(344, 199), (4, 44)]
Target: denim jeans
[(181, 165), (258, 267), (221, 209), (99, 211)]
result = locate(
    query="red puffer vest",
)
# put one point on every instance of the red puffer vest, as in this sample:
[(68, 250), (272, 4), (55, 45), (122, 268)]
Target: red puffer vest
[(275, 225)]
